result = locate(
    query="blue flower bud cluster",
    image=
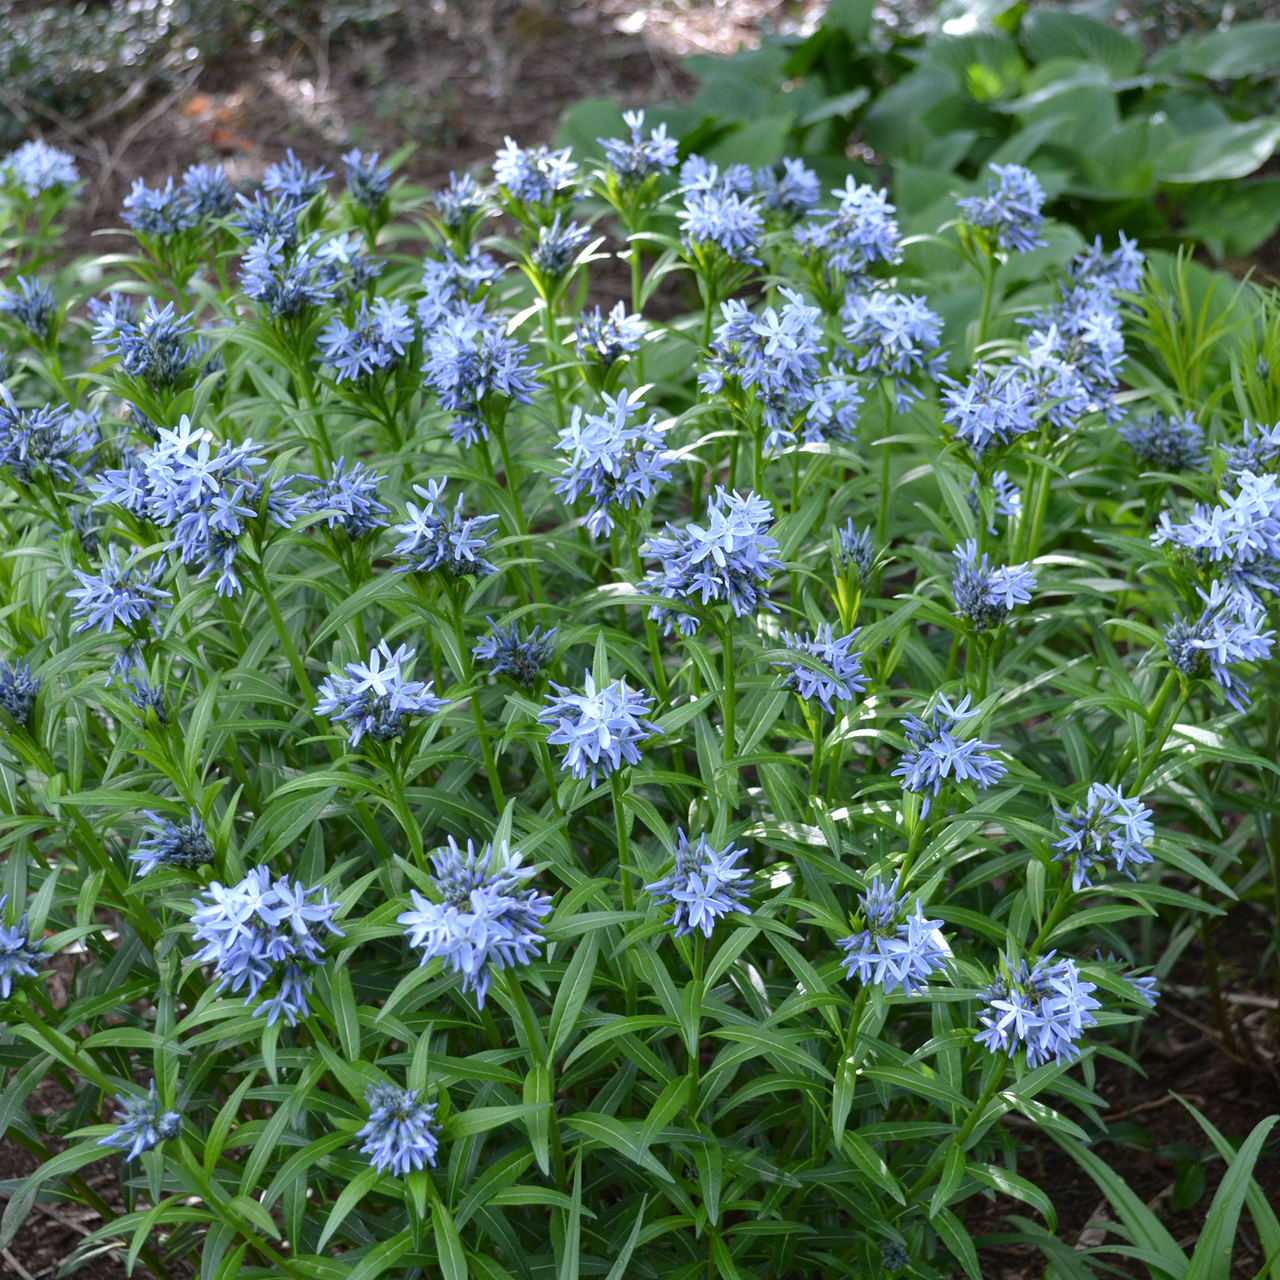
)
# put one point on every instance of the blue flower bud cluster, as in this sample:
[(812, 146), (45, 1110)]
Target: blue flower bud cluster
[(432, 538), (892, 336), (18, 691), (60, 442), (167, 211), (153, 346), (636, 158), (525, 660), (893, 950), (601, 729), (1043, 1008), (535, 175), (606, 339), (985, 595), (174, 844), (376, 698), (32, 305), (1173, 443), (1011, 209), (934, 754), (1107, 826), (142, 1125), (704, 885), (36, 167), (840, 676), (401, 1134), (18, 954), (1227, 635), (860, 231)]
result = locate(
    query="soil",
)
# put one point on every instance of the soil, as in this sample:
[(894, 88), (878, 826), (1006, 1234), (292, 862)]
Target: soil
[(454, 81)]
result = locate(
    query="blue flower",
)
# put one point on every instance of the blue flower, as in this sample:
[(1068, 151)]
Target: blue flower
[(32, 305), (207, 192), (725, 219), (157, 211), (50, 441), (117, 595), (36, 167), (893, 336), (431, 538), (1044, 1007), (367, 181), (292, 179), (855, 550), (1167, 444), (1107, 826), (607, 339), (1011, 209), (173, 844), (600, 729), (537, 175), (142, 1125), (636, 158), (400, 1135), (1227, 634), (790, 194), (730, 560), (350, 499), (285, 286), (153, 346), (612, 459), (832, 413), (991, 409), (934, 754), (460, 201), (489, 919), (18, 954), (703, 885), (1146, 989), (859, 231), (256, 932), (893, 949), (1240, 536), (1119, 271), (451, 284), (525, 661), (843, 675), (262, 219), (1257, 452), (376, 341), (469, 358), (704, 176), (144, 695), (556, 246), (376, 697), (1008, 498), (985, 595), (18, 691)]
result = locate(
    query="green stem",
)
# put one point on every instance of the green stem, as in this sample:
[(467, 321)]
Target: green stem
[(1146, 765), (522, 525), (477, 713), (815, 765), (551, 340), (988, 288), (1066, 896), (621, 826), (538, 1052), (635, 306), (695, 1039), (294, 659), (728, 707), (962, 1134)]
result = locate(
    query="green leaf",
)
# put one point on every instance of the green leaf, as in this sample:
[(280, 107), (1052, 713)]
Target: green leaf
[(952, 1233), (575, 986), (1229, 151), (449, 1251), (570, 1258), (351, 1195), (619, 1269), (866, 1158)]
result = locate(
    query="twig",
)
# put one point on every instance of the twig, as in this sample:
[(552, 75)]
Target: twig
[(1150, 1106), (14, 1265)]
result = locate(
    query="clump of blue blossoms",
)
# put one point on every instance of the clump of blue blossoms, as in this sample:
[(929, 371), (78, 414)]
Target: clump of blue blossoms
[(1107, 826), (1011, 209), (400, 1134), (1007, 496), (704, 884), (606, 339), (636, 158), (153, 345), (462, 203), (285, 284), (556, 246), (140, 691), (1227, 634), (1257, 452), (375, 341), (142, 1124), (614, 460), (18, 954), (367, 181), (524, 660), (859, 231), (349, 499), (991, 409), (536, 175), (292, 180), (122, 595), (775, 359), (1170, 443), (471, 361), (855, 551), (601, 729), (893, 336), (257, 932), (450, 284), (205, 497), (719, 212), (1044, 1008), (730, 561), (1239, 538), (893, 949), (157, 211), (261, 218), (432, 538), (790, 194), (1117, 271), (985, 595), (174, 844), (489, 919), (32, 305), (18, 691), (842, 675), (376, 697), (36, 167), (56, 441), (935, 754)]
